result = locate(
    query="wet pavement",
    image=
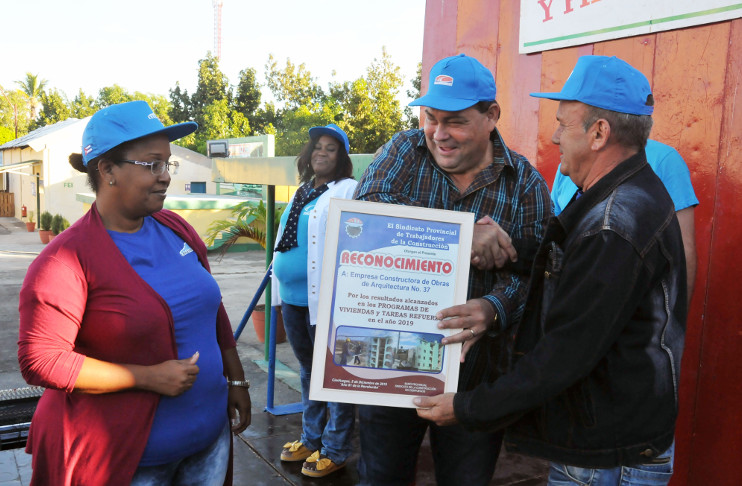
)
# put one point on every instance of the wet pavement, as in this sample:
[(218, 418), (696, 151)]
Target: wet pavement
[(257, 450)]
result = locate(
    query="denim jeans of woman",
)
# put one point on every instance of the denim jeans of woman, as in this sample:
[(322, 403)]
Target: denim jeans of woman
[(326, 426), (657, 473), (205, 468)]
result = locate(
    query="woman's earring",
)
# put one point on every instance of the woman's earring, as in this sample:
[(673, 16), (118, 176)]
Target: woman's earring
[(110, 183)]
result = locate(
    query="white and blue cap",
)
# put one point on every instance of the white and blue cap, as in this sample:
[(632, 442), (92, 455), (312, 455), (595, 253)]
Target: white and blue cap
[(456, 83), (125, 122), (609, 83), (333, 131)]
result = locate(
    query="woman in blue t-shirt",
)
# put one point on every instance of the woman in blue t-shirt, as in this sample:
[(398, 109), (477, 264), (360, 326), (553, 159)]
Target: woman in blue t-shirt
[(129, 336), (325, 171)]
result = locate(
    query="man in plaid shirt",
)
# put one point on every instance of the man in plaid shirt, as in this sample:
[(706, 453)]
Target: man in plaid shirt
[(459, 162)]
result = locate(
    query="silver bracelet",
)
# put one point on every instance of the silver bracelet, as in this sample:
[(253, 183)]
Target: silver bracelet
[(242, 383)]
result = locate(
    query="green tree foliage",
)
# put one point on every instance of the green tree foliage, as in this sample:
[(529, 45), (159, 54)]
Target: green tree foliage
[(417, 82), (355, 106), (371, 111), (293, 85), (82, 106), (304, 105), (412, 120), (366, 108), (295, 125), (209, 106), (112, 95), (13, 114), (159, 104), (218, 122), (54, 108), (6, 135), (265, 120), (212, 86), (32, 87), (247, 95), (180, 105), (212, 106), (385, 118)]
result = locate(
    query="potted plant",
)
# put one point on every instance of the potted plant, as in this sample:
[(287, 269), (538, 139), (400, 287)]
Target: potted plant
[(30, 224), (248, 220), (258, 322), (45, 226), (59, 224)]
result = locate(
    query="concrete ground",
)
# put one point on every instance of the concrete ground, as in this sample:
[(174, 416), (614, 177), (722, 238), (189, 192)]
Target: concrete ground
[(257, 449)]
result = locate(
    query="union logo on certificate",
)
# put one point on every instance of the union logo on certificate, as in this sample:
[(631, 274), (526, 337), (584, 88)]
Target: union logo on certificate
[(354, 227), (377, 340)]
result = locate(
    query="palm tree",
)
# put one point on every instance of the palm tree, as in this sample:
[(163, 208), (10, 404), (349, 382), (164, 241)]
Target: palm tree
[(33, 87), (249, 221)]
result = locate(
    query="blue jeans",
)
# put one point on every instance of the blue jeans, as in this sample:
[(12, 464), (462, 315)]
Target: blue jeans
[(205, 468), (326, 426), (657, 473), (390, 442)]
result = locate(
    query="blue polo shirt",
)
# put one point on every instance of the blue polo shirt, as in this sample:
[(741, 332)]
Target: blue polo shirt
[(666, 163), (190, 422)]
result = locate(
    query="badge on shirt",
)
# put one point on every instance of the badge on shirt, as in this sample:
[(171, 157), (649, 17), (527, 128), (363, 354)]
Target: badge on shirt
[(186, 249)]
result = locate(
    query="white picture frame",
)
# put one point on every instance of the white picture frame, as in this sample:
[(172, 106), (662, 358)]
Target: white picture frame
[(387, 270)]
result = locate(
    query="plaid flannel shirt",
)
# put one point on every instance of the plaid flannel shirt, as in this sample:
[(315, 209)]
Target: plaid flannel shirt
[(510, 191)]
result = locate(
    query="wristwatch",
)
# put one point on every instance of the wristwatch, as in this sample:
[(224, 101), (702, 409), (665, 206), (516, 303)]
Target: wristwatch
[(242, 383)]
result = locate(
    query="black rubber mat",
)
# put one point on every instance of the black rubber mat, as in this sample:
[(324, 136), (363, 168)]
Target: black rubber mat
[(17, 406)]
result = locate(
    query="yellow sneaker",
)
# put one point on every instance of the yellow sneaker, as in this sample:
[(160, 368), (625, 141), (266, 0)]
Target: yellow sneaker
[(319, 466), (294, 452)]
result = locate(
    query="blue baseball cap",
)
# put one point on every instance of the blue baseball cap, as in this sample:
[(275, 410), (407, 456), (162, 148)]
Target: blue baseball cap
[(456, 83), (606, 82), (333, 131), (125, 122)]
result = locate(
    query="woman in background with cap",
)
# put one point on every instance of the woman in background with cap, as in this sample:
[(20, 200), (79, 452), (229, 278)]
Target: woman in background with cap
[(123, 324), (325, 171)]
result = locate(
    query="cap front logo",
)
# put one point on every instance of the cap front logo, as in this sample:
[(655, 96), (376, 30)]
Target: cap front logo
[(152, 116), (444, 79)]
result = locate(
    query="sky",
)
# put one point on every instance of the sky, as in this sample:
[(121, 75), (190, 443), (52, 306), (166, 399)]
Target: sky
[(149, 45)]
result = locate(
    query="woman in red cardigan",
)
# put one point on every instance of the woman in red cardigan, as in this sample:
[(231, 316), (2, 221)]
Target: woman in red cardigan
[(123, 324)]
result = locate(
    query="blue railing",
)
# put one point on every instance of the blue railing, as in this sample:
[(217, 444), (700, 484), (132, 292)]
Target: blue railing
[(269, 407)]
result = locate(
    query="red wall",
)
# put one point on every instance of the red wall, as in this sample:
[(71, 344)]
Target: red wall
[(695, 75)]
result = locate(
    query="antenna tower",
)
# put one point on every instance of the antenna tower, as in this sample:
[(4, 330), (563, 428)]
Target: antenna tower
[(217, 27)]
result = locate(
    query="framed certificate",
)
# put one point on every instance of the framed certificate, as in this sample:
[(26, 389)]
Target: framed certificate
[(387, 270)]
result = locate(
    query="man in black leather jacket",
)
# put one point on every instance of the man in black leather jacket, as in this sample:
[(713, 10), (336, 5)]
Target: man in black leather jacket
[(594, 388)]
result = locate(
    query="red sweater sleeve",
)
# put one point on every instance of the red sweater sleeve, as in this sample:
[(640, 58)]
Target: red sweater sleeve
[(224, 335), (52, 304)]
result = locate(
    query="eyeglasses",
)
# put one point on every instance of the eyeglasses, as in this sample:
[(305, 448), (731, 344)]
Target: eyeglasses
[(158, 167)]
